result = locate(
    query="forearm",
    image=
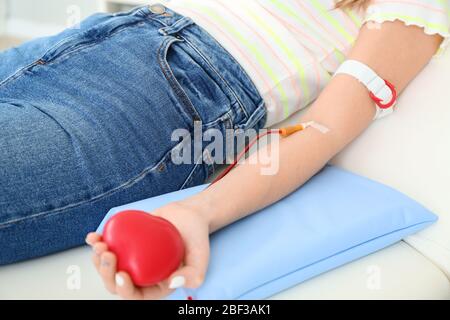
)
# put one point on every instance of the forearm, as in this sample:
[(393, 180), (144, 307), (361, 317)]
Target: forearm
[(395, 52), (245, 189)]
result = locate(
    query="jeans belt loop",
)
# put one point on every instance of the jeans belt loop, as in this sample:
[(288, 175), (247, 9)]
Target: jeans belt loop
[(177, 26)]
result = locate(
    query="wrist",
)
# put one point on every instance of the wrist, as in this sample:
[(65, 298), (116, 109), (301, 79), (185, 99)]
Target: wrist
[(200, 206)]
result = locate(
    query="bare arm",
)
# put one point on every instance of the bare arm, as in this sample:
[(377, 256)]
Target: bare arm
[(396, 52)]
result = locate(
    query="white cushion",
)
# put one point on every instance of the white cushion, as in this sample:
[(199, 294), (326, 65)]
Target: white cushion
[(396, 272), (54, 277)]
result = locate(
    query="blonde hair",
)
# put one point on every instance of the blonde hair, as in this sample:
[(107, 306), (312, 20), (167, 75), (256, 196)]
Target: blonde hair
[(347, 4)]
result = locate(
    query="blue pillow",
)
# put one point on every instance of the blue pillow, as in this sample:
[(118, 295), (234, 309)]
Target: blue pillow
[(336, 217)]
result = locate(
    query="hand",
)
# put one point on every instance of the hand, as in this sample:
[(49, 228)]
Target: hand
[(194, 230)]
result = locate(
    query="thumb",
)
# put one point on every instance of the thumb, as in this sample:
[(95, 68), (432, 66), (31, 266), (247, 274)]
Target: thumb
[(192, 273)]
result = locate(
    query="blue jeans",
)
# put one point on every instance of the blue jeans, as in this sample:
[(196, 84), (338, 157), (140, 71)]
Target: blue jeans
[(86, 118)]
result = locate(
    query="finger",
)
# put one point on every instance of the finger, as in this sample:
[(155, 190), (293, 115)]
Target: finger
[(107, 271), (127, 290), (96, 261), (98, 249), (192, 274), (155, 292), (125, 287), (187, 277), (92, 238)]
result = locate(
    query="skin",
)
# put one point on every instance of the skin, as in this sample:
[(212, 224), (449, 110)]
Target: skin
[(396, 52)]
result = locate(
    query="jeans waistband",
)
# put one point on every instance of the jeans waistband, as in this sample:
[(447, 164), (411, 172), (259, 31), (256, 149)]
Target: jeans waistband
[(231, 72)]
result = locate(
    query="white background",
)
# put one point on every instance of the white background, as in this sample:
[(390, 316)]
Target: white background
[(31, 18)]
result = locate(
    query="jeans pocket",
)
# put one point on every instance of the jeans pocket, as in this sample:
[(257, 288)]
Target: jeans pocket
[(202, 97)]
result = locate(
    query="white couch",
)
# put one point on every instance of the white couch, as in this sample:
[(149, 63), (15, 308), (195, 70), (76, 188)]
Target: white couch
[(409, 151)]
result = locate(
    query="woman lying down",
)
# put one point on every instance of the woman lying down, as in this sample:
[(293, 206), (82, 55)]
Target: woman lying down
[(87, 116)]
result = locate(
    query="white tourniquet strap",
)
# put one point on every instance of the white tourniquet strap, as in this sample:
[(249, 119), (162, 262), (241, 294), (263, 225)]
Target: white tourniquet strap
[(372, 81)]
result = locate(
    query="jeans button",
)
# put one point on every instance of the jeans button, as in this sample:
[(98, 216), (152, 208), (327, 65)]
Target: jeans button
[(157, 8)]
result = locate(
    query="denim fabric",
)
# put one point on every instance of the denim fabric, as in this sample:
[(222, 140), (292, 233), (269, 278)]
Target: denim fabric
[(86, 118)]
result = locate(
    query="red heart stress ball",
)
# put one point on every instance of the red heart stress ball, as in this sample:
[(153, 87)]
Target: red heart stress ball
[(147, 247)]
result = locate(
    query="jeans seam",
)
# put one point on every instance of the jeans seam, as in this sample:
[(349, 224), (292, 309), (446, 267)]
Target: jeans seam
[(225, 82), (227, 115), (129, 183), (189, 177), (172, 80), (20, 72), (68, 54), (258, 114), (17, 73), (210, 168), (88, 44)]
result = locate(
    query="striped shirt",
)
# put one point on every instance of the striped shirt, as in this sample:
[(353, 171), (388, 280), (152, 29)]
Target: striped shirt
[(291, 48)]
